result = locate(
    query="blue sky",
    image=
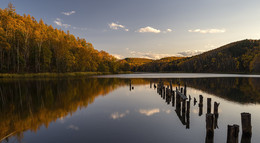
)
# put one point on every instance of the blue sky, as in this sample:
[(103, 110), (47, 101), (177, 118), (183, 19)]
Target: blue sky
[(149, 28)]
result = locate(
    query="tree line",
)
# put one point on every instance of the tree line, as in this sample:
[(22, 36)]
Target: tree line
[(27, 46)]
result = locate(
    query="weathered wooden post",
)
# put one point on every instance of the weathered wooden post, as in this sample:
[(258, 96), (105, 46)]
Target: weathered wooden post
[(171, 85), (130, 85), (210, 125), (245, 139), (201, 99), (168, 97), (173, 98), (208, 105), (188, 115), (178, 105), (195, 101), (178, 102), (183, 105), (183, 112), (164, 92), (216, 121), (185, 90), (236, 133), (201, 105), (232, 133), (216, 107), (246, 124)]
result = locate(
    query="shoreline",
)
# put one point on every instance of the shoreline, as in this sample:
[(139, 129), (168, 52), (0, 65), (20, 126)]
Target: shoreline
[(49, 75), (88, 74)]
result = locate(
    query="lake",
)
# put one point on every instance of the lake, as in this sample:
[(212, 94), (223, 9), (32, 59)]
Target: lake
[(125, 108)]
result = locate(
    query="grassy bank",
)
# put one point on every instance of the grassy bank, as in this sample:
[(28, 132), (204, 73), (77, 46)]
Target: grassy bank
[(52, 75), (55, 75)]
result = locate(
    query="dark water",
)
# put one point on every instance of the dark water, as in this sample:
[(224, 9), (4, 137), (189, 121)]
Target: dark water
[(105, 110)]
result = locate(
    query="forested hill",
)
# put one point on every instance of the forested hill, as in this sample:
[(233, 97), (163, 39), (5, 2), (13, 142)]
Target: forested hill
[(242, 56), (238, 57), (27, 45)]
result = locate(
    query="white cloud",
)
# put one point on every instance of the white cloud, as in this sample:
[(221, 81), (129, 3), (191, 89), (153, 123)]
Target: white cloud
[(148, 55), (69, 13), (73, 127), (79, 28), (117, 26), (210, 31), (148, 29), (156, 56), (58, 21), (190, 53), (167, 31), (118, 56), (117, 115), (149, 112)]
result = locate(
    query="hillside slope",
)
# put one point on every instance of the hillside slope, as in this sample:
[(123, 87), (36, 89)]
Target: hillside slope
[(237, 57), (242, 56)]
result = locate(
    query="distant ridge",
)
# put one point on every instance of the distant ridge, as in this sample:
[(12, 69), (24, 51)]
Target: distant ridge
[(237, 57)]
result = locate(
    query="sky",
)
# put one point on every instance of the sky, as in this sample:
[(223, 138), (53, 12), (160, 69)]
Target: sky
[(149, 28)]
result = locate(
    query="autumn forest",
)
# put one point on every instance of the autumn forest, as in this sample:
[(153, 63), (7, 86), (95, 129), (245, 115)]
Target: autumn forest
[(31, 46)]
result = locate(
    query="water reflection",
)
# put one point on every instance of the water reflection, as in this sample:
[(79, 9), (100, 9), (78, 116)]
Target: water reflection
[(29, 104)]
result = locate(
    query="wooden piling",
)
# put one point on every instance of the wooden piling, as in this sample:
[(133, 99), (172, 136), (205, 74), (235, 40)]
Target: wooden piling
[(195, 101), (173, 99), (245, 139), (171, 86), (185, 90), (246, 124), (229, 133), (208, 105), (232, 133), (183, 105), (216, 107), (188, 115), (216, 121), (210, 124), (201, 105), (201, 99), (236, 133)]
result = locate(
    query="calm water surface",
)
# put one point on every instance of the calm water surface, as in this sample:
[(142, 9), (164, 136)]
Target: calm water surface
[(104, 109)]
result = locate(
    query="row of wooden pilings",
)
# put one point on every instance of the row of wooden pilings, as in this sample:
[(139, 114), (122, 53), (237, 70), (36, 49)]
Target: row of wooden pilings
[(183, 112)]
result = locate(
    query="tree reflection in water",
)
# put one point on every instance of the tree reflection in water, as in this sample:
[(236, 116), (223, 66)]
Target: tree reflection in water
[(29, 104)]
